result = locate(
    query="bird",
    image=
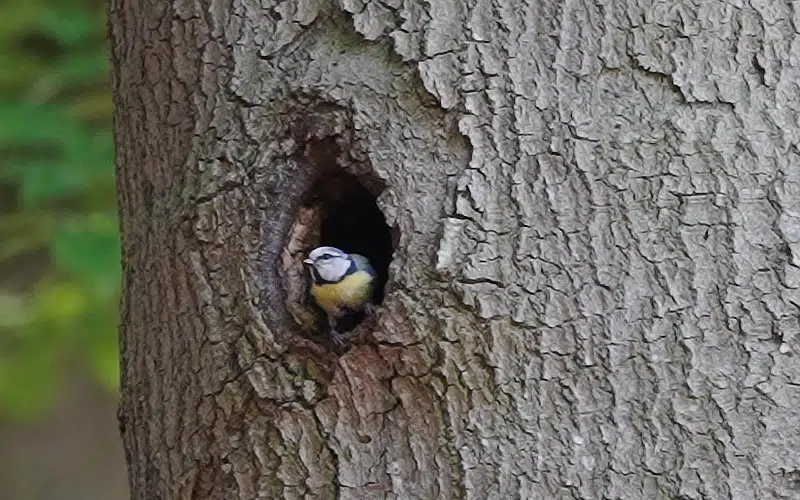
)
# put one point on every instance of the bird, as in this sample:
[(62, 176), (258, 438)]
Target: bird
[(341, 284)]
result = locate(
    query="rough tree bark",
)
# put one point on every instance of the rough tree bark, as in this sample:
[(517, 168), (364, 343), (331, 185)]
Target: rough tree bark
[(596, 276)]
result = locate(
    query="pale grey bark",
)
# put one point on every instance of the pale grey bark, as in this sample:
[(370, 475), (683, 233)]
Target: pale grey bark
[(596, 285)]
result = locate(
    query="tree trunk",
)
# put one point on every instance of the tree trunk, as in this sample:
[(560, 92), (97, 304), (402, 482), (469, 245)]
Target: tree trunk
[(594, 214)]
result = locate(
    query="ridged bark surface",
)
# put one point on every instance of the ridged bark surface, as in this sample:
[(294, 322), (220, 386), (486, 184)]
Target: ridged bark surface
[(595, 290)]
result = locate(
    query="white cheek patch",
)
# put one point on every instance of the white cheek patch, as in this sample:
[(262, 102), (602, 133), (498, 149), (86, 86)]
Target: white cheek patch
[(326, 273), (333, 270)]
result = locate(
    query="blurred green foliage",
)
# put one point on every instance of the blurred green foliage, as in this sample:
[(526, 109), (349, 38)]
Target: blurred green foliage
[(59, 242)]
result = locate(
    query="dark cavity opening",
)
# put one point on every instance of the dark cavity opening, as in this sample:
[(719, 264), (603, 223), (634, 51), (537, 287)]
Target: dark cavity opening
[(350, 219)]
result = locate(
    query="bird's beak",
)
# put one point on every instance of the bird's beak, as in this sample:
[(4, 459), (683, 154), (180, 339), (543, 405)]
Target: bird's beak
[(308, 262)]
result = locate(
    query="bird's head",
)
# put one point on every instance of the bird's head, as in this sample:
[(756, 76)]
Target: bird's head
[(328, 263)]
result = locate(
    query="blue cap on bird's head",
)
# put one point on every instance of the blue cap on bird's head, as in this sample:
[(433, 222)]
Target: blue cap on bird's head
[(324, 253)]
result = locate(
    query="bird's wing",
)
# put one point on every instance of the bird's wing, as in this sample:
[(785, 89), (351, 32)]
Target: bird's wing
[(363, 263)]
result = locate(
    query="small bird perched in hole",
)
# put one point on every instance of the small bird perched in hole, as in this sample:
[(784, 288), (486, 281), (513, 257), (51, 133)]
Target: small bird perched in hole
[(342, 284)]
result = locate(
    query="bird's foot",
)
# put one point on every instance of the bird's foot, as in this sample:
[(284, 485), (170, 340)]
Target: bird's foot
[(336, 337), (370, 308)]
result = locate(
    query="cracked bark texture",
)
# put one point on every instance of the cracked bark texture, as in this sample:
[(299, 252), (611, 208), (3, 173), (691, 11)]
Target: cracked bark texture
[(595, 292)]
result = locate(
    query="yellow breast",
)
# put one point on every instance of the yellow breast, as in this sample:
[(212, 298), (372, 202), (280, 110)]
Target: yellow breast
[(350, 293)]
